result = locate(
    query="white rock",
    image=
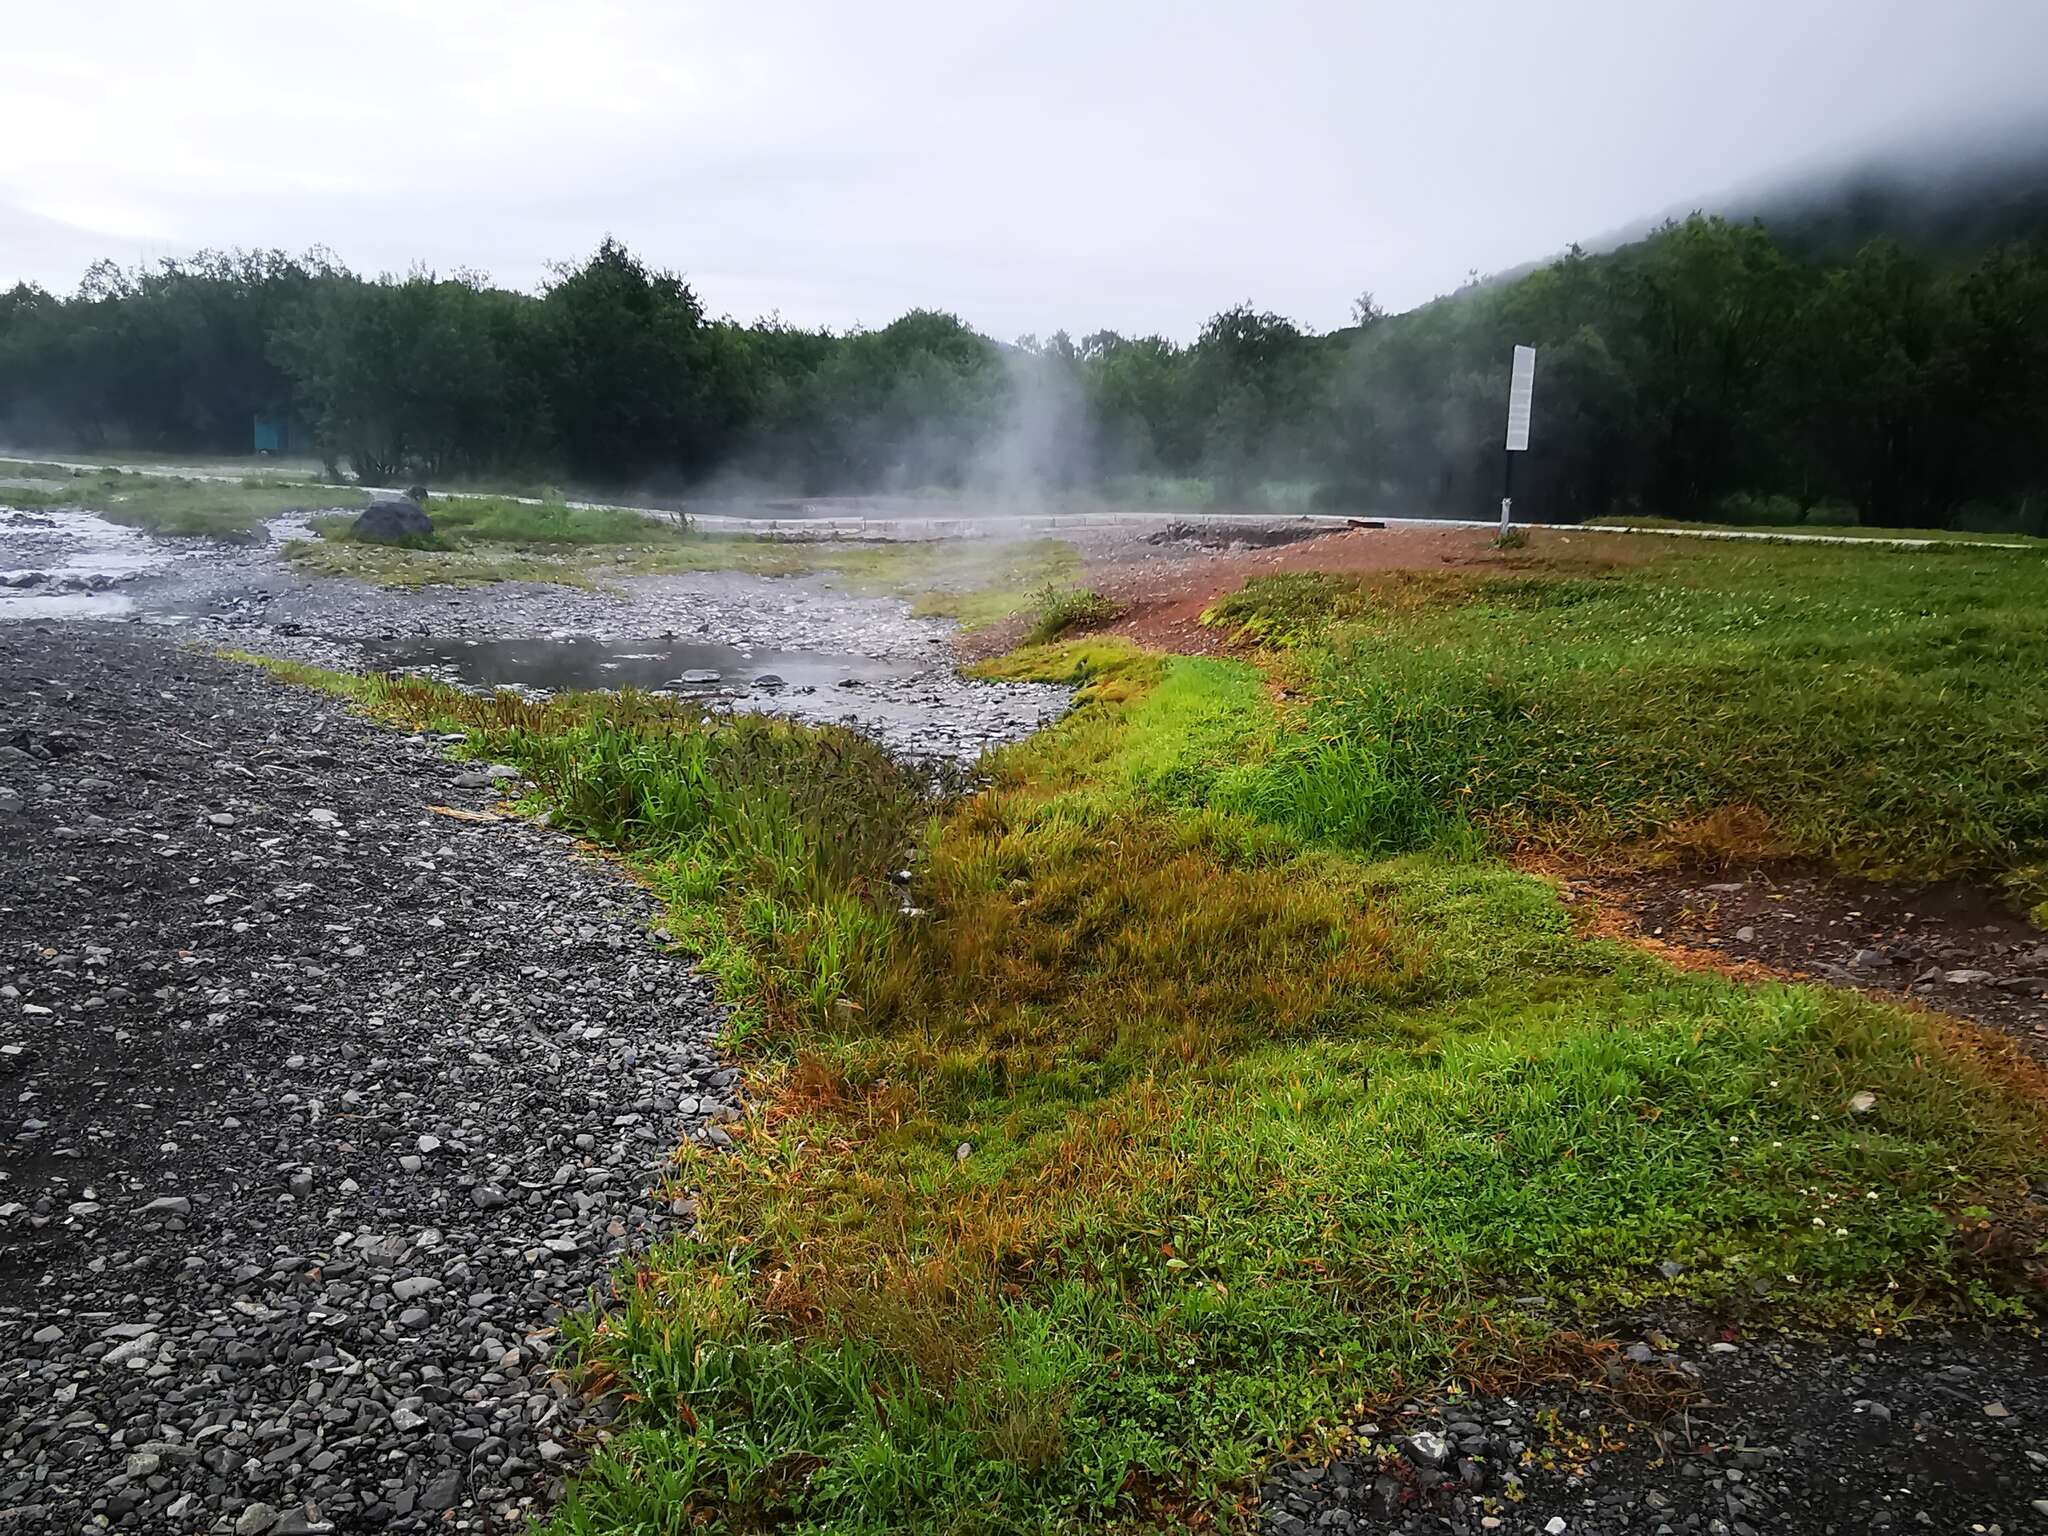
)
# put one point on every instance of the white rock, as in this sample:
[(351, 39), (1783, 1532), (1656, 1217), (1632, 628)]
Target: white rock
[(134, 1354)]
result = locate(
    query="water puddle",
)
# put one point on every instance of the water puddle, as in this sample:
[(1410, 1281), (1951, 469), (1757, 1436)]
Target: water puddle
[(68, 564), (913, 708), (579, 662)]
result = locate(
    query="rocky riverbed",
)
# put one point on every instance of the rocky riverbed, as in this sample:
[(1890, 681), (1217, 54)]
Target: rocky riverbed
[(795, 646), (66, 563), (324, 1106)]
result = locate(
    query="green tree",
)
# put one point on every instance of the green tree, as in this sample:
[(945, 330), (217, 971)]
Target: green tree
[(638, 380)]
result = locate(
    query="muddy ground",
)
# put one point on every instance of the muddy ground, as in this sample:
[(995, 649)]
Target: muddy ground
[(1952, 948)]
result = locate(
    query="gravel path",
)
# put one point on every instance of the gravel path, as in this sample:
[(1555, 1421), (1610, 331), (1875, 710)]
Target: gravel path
[(1731, 1435), (324, 1107)]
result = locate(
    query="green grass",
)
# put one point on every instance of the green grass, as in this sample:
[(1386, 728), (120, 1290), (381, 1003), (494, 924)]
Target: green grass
[(184, 508), (483, 539), (1058, 609), (1820, 530), (1877, 708), (478, 540), (463, 520), (35, 469), (502, 520), (1217, 1081), (1168, 491), (389, 565), (1291, 606)]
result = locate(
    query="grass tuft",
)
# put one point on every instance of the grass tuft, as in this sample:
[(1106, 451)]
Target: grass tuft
[(183, 508), (1059, 609), (478, 540)]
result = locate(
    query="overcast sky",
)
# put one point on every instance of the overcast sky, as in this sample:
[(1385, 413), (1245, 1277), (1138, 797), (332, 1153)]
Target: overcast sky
[(1030, 165)]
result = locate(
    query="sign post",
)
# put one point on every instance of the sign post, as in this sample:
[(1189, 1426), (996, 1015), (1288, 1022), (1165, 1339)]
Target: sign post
[(1521, 391)]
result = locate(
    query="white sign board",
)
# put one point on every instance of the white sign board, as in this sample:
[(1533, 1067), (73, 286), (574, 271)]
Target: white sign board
[(1521, 390)]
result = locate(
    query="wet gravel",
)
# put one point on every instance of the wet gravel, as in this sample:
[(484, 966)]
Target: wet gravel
[(323, 1107), (69, 563), (248, 597), (1692, 1428)]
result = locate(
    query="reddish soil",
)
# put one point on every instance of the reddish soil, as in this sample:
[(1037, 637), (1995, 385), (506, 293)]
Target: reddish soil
[(1163, 590), (1163, 599), (1163, 585)]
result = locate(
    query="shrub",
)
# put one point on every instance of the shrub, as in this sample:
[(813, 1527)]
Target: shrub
[(1341, 496), (1060, 609), (1832, 514), (1158, 491), (1746, 509), (1293, 496), (1288, 606)]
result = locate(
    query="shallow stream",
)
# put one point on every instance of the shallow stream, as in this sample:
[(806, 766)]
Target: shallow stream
[(915, 705), (65, 563), (798, 647)]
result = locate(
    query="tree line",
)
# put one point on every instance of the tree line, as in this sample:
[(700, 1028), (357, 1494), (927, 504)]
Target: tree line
[(1704, 371)]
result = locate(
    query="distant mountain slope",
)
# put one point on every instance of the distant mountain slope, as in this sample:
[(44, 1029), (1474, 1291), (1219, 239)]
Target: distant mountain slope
[(1941, 200), (1946, 196)]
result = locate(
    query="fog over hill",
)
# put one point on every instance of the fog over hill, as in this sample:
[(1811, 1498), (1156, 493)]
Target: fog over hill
[(1943, 194)]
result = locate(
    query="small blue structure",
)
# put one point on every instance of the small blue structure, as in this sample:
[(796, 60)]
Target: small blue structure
[(281, 434)]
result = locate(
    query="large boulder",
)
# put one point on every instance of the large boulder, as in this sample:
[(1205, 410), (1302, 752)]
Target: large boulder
[(392, 521)]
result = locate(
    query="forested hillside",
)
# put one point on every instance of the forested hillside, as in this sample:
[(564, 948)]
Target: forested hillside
[(1708, 370)]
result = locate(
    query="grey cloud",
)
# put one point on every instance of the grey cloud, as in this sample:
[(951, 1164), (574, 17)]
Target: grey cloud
[(1032, 166)]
